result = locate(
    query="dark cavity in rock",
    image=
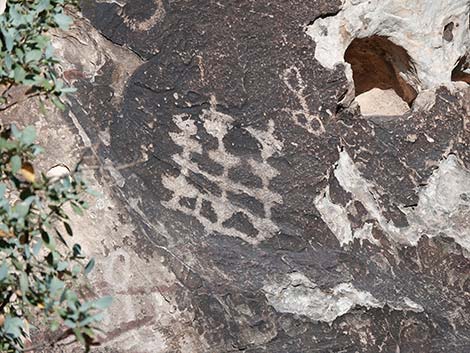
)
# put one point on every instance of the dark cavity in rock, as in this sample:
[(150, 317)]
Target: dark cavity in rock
[(376, 62)]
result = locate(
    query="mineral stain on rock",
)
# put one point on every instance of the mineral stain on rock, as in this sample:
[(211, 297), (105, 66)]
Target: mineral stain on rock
[(284, 219)]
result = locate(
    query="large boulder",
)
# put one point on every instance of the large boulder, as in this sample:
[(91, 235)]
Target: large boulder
[(254, 208)]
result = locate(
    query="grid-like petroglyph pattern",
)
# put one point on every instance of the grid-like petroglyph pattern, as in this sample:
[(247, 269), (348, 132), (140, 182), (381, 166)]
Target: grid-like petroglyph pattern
[(227, 206)]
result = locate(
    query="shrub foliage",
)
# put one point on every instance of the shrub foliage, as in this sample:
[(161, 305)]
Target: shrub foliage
[(26, 54), (39, 269), (37, 266)]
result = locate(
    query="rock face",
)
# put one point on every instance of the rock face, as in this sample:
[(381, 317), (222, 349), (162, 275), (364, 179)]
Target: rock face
[(263, 212), (434, 33)]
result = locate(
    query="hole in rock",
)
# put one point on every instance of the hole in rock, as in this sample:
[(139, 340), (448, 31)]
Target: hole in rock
[(379, 67), (461, 71), (448, 33)]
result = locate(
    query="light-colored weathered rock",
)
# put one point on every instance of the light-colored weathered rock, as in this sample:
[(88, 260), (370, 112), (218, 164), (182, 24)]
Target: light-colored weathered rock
[(58, 172), (297, 294), (434, 33), (381, 102), (444, 204), (443, 208)]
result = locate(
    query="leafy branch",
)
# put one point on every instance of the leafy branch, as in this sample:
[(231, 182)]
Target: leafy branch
[(26, 54), (37, 273), (38, 268)]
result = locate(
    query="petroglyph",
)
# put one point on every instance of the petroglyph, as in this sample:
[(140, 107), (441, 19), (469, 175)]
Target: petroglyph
[(138, 24), (142, 306), (142, 26), (303, 116), (224, 206)]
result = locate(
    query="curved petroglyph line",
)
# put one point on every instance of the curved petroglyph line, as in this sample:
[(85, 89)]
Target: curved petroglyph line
[(303, 116), (139, 25), (145, 25)]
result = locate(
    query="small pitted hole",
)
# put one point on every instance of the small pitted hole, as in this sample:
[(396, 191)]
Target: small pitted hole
[(448, 33), (379, 70), (461, 71)]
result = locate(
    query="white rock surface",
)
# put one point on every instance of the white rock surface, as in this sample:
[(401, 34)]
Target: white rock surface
[(444, 204), (381, 102), (443, 207), (58, 172), (298, 295), (416, 25)]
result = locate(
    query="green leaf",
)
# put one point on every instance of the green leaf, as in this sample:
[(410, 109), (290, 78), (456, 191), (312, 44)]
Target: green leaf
[(89, 266), (79, 336), (58, 103), (9, 37), (94, 192), (56, 285), (37, 247), (28, 135), (103, 303), (92, 318), (68, 90), (13, 326), (63, 21), (62, 266), (21, 210), (19, 74), (8, 60), (15, 131), (18, 265), (68, 228), (70, 323), (24, 284), (49, 53), (16, 18), (77, 209), (55, 325), (3, 188), (3, 271), (33, 55), (15, 164), (43, 5), (76, 270)]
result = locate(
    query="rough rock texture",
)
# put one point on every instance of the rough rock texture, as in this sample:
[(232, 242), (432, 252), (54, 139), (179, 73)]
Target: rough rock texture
[(434, 33), (381, 102), (245, 208)]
